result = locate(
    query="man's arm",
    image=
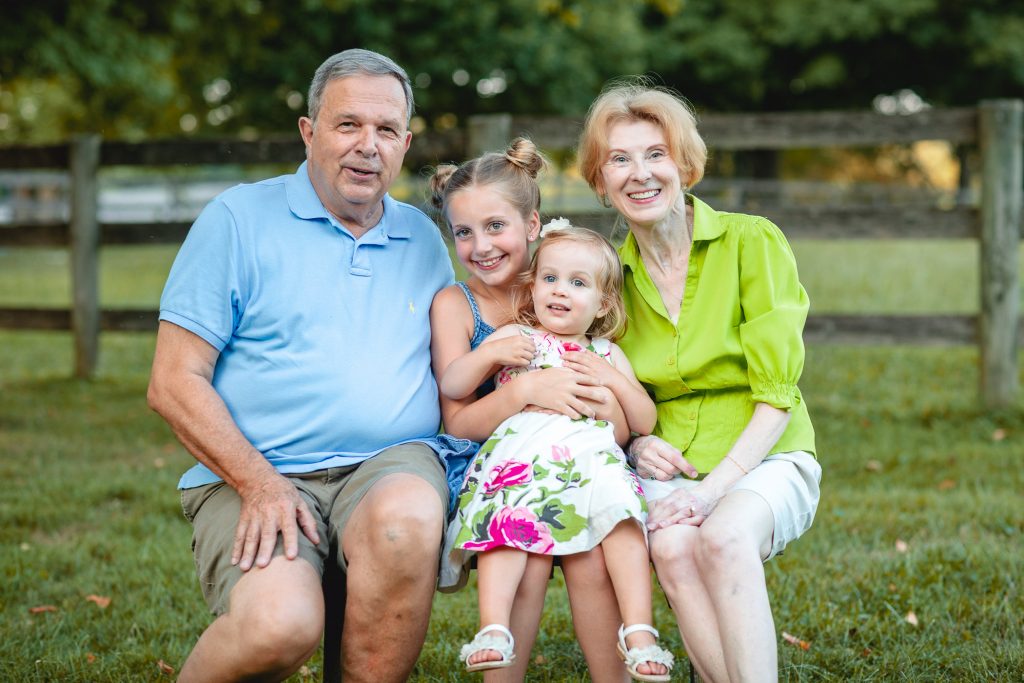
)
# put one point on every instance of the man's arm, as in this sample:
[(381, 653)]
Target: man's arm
[(181, 391)]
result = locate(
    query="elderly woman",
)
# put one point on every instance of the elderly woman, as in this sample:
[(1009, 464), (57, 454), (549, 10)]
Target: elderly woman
[(716, 314)]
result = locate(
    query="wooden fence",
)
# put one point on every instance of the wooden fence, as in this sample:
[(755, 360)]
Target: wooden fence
[(995, 127)]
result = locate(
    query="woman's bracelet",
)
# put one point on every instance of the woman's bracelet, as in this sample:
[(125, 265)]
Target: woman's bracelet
[(731, 459)]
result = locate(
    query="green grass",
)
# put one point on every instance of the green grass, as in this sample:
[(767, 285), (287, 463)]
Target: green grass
[(88, 504)]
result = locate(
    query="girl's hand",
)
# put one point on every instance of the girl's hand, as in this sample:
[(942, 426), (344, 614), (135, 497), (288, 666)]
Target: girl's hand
[(561, 390), (683, 506), (655, 458), (517, 350)]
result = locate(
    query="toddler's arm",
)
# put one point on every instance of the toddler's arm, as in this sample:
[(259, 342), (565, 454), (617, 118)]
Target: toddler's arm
[(618, 376)]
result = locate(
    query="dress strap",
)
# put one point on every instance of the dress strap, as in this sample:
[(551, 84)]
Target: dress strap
[(480, 329)]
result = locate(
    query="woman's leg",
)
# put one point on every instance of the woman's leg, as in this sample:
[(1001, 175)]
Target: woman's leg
[(595, 614), (499, 573), (629, 567), (732, 541), (527, 607), (672, 550)]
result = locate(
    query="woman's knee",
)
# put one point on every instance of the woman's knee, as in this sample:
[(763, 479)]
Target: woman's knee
[(724, 546)]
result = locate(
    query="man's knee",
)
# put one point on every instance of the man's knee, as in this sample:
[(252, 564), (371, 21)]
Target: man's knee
[(280, 621), (402, 516)]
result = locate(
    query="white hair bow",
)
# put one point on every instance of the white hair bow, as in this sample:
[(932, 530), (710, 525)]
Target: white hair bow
[(555, 224)]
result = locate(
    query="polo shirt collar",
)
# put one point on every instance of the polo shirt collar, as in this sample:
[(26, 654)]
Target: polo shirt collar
[(706, 227), (304, 202)]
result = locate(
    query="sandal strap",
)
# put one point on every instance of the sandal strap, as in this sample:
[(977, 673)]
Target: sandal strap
[(503, 646), (625, 631)]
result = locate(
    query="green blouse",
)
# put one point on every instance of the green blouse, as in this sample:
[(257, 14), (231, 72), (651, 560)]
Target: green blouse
[(738, 341)]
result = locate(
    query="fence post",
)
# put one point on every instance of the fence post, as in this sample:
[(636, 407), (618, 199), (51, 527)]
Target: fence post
[(85, 234), (488, 133), (1002, 179)]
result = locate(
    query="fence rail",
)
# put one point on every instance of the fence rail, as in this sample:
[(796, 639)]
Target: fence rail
[(994, 127)]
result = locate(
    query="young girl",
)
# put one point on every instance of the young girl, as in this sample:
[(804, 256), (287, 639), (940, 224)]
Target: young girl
[(548, 484), (491, 205)]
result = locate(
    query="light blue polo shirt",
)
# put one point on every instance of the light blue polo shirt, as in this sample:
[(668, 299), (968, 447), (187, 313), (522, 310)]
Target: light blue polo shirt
[(324, 339)]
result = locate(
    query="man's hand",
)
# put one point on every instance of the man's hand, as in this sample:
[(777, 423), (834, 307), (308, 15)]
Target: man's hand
[(270, 506)]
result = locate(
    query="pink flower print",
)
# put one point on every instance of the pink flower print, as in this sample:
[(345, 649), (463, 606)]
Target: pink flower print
[(560, 453), (508, 473), (516, 528), (571, 346), (637, 486)]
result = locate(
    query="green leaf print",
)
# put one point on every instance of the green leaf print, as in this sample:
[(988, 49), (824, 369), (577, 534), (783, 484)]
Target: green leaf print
[(562, 520), (477, 529)]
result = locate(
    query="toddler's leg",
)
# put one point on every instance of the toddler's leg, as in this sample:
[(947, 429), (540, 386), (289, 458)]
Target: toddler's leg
[(499, 574), (527, 607), (595, 614), (629, 567)]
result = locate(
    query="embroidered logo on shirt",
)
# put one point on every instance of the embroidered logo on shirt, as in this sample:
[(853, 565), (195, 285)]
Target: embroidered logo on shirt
[(412, 307)]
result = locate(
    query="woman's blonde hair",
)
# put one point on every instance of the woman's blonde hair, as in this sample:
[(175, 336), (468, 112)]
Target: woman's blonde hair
[(638, 99), (512, 173), (611, 325)]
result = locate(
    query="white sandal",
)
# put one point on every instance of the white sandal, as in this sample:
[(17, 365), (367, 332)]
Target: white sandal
[(652, 654), (503, 646)]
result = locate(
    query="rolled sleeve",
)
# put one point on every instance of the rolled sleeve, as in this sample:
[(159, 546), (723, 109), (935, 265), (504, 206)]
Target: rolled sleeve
[(774, 306)]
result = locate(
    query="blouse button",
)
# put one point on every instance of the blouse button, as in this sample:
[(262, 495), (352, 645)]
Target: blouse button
[(671, 360)]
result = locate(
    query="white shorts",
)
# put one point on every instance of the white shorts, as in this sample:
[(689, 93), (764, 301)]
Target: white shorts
[(788, 482)]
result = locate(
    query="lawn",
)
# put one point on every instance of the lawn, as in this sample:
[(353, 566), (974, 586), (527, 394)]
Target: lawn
[(912, 571)]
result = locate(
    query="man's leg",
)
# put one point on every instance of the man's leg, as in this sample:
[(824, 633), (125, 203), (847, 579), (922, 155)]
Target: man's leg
[(271, 619), (391, 542), (273, 626)]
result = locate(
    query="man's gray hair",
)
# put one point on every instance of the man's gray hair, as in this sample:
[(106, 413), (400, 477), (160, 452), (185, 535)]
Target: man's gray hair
[(356, 62)]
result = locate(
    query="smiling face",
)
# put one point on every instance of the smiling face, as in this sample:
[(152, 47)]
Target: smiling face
[(355, 147), (639, 176), (491, 237), (567, 296)]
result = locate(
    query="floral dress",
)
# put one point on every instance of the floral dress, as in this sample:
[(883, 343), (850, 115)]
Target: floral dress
[(545, 483)]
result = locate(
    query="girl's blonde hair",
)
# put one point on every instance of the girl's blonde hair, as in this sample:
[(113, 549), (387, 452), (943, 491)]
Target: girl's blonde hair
[(638, 99), (512, 173), (611, 325)]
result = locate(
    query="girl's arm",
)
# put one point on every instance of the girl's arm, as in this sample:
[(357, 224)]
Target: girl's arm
[(638, 408), (506, 346), (557, 389)]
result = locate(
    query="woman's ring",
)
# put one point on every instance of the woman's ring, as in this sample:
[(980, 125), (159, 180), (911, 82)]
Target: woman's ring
[(654, 473)]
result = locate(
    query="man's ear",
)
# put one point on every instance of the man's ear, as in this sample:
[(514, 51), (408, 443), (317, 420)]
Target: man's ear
[(306, 131)]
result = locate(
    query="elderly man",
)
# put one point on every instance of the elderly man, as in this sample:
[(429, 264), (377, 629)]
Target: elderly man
[(293, 362)]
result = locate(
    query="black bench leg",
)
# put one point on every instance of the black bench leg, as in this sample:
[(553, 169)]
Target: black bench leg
[(334, 619)]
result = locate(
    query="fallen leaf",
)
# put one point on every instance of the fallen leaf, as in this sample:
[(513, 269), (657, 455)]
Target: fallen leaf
[(901, 546), (911, 618), (873, 466), (892, 587), (90, 657), (42, 608), (865, 652), (165, 667), (540, 659), (101, 601), (159, 463), (793, 640), (305, 672), (947, 484), (865, 422), (999, 435)]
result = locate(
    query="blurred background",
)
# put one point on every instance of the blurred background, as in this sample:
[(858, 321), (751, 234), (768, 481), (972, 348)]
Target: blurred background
[(912, 571)]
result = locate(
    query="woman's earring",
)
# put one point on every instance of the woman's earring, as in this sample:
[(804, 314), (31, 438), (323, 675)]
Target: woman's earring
[(604, 201)]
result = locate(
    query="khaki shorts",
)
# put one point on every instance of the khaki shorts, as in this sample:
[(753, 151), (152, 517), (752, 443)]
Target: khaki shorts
[(788, 482), (331, 495)]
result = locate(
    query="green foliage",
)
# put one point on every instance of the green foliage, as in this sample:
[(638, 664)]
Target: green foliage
[(133, 69)]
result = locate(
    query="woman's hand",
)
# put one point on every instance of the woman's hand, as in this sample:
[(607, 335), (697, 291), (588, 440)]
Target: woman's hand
[(655, 458), (683, 506)]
